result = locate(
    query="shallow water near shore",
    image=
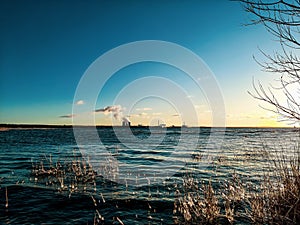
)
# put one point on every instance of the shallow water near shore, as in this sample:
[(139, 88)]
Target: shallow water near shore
[(244, 151)]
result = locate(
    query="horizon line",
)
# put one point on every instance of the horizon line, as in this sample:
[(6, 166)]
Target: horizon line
[(34, 125)]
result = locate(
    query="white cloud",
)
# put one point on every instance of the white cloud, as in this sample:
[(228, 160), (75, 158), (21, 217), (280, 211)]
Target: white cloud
[(67, 116), (144, 109), (80, 102)]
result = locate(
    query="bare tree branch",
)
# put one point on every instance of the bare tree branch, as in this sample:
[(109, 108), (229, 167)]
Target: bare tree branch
[(281, 18)]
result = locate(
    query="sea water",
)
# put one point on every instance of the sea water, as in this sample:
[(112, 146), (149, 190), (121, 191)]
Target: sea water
[(134, 196)]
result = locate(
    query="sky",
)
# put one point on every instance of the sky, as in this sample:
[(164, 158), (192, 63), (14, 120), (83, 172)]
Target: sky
[(46, 47)]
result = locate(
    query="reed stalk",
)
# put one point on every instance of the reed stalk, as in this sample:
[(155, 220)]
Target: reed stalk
[(6, 198)]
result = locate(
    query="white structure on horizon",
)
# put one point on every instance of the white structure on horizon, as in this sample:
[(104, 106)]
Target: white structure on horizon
[(162, 125), (126, 121)]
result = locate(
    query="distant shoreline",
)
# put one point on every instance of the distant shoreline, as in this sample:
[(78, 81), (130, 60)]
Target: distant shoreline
[(4, 127), (31, 126)]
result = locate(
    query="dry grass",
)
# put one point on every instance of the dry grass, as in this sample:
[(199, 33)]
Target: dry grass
[(276, 200), (197, 203), (68, 176), (71, 175), (202, 204)]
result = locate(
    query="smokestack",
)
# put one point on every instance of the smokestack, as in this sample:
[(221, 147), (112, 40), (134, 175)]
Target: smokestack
[(126, 122)]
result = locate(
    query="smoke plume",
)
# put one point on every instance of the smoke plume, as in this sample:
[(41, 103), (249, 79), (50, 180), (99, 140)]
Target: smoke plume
[(116, 110)]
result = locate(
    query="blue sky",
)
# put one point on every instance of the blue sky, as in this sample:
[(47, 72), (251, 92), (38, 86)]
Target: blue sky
[(46, 46)]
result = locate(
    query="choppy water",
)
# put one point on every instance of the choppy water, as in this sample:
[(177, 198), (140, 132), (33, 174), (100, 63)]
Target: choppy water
[(138, 193)]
